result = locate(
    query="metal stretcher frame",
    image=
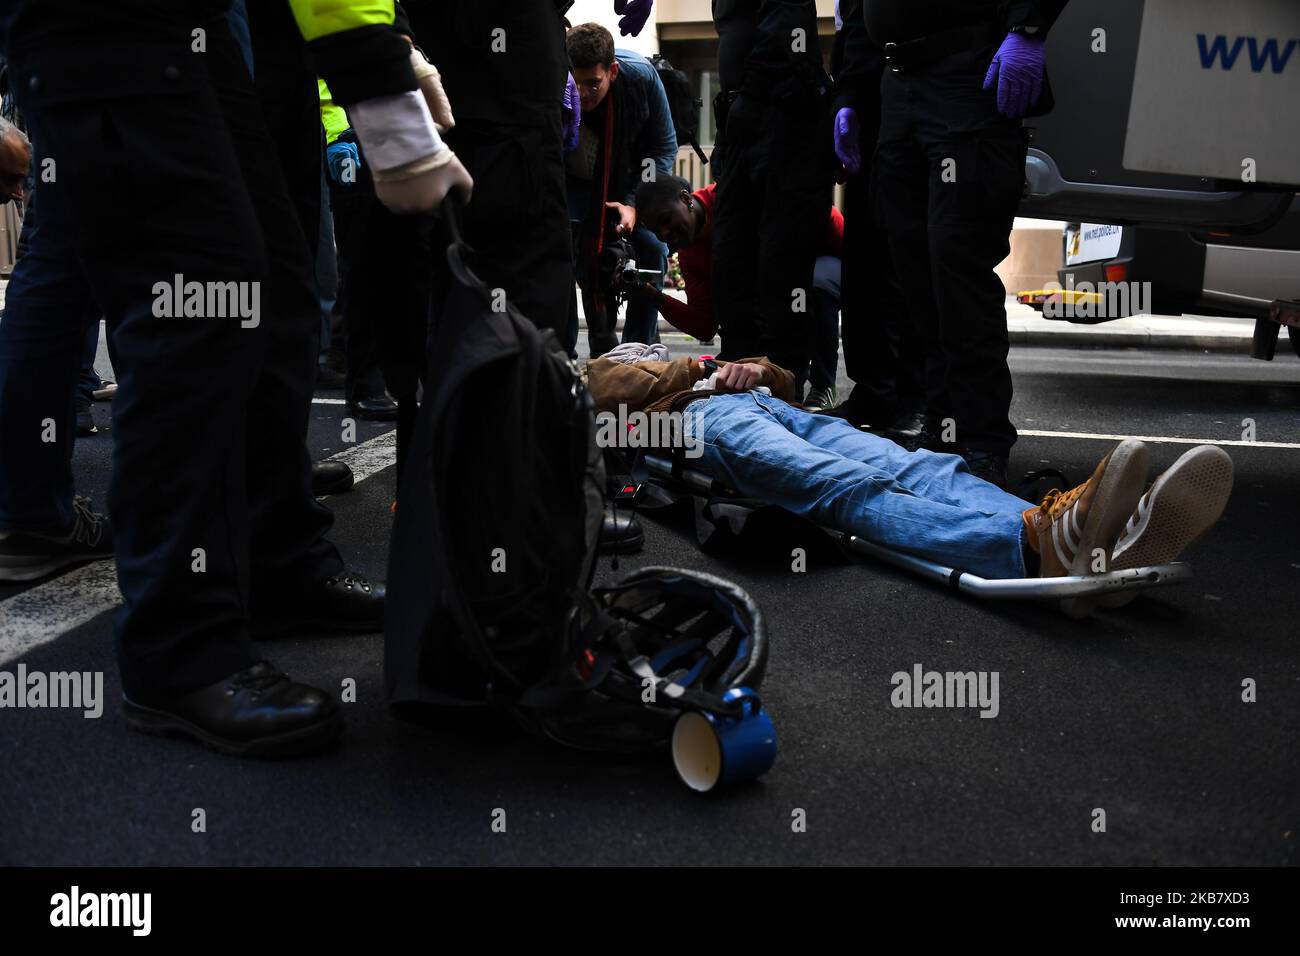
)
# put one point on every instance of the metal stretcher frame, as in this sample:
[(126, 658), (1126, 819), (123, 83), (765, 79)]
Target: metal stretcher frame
[(1092, 587)]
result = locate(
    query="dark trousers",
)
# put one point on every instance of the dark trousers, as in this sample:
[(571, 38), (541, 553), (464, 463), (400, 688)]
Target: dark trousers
[(824, 340), (210, 495), (884, 354), (49, 312), (507, 106), (87, 378), (384, 265), (948, 177), (769, 222)]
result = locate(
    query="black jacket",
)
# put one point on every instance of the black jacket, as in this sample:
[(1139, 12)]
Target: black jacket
[(859, 45), (857, 64), (897, 21), (759, 48)]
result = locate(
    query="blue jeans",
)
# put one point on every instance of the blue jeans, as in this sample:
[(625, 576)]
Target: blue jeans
[(641, 323), (823, 468)]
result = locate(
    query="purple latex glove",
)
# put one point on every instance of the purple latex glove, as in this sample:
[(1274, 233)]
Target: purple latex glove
[(846, 139), (571, 114), (1017, 69), (634, 14)]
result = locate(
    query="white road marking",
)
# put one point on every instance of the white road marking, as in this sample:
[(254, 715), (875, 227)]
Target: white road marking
[(1160, 440), (371, 456), (43, 613), (328, 401), (40, 614)]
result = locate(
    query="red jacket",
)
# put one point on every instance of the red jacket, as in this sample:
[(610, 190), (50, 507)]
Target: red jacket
[(696, 316)]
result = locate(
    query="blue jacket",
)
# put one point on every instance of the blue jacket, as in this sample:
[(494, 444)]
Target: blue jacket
[(644, 125)]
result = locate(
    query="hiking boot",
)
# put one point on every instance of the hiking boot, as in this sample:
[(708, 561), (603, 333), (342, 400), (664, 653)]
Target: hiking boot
[(929, 438), (1069, 528), (256, 712), (330, 477), (861, 412), (1181, 505), (621, 533), (905, 429), (819, 399), (987, 465), (26, 555), (344, 603)]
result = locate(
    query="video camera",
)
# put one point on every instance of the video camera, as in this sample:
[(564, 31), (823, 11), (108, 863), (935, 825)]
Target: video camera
[(616, 269)]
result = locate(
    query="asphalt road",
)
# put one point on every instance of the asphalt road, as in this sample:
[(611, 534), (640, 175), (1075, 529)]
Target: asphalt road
[(1135, 712)]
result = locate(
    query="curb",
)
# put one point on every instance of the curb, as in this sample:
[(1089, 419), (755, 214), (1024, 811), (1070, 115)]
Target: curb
[(1089, 337)]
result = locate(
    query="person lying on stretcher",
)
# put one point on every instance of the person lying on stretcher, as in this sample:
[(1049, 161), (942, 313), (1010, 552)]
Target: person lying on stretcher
[(748, 436)]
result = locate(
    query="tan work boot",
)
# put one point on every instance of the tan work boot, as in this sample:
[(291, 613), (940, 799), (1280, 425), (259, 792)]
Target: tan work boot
[(1068, 528), (1181, 505)]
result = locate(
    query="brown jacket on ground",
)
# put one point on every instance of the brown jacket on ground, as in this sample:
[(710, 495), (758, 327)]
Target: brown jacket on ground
[(666, 386)]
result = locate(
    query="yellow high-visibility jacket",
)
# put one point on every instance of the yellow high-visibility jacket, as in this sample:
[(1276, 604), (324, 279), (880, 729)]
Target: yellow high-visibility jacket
[(332, 116), (356, 49)]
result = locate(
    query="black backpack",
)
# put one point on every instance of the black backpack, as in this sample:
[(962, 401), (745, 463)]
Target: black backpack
[(499, 508), (498, 515), (683, 104)]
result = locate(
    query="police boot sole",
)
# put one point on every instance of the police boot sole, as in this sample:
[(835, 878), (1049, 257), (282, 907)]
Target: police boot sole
[(310, 739)]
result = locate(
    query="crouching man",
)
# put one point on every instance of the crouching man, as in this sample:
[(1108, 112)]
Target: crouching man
[(925, 503)]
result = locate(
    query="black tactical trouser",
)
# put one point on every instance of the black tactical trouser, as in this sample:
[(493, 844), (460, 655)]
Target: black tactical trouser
[(948, 176), (165, 167), (769, 223)]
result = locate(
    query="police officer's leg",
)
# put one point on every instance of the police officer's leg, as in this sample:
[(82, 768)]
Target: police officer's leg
[(736, 218), (370, 238), (902, 183), (824, 340), (794, 201), (41, 338), (969, 229), (641, 323), (177, 493), (517, 221), (285, 80), (503, 67), (289, 527), (88, 379), (879, 341)]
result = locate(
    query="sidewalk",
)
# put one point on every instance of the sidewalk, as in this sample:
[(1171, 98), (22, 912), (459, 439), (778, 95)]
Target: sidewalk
[(1027, 327)]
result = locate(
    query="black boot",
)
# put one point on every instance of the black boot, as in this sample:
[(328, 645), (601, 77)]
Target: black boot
[(330, 478), (347, 603), (621, 533), (256, 712)]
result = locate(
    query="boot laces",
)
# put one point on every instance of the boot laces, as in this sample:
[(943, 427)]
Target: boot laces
[(258, 678), (350, 579)]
